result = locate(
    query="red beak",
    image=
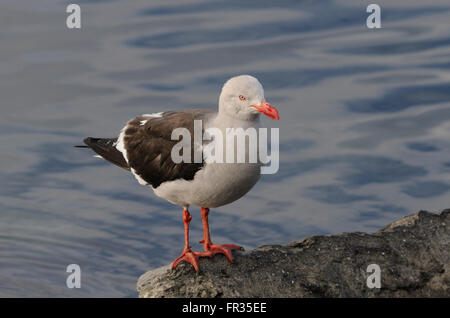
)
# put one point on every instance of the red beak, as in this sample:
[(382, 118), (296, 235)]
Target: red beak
[(267, 110)]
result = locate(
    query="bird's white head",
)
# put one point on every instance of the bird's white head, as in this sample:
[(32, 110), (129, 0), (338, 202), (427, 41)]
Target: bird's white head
[(242, 97)]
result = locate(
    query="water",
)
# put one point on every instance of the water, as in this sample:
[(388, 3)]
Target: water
[(365, 120)]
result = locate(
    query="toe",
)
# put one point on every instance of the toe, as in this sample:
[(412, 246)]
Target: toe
[(189, 257), (233, 247), (223, 250)]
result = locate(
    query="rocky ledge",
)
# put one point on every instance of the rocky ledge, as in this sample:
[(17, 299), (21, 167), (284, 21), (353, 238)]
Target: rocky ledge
[(413, 255)]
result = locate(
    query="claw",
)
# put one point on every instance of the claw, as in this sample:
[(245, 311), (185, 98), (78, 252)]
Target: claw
[(190, 257), (224, 249), (233, 247)]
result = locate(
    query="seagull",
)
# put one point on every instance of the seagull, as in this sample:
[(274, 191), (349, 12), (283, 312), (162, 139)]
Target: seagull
[(144, 147)]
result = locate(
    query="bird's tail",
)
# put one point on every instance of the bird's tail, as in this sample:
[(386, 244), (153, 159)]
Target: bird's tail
[(106, 148)]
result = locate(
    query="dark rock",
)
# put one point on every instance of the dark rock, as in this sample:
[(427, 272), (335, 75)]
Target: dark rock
[(413, 254)]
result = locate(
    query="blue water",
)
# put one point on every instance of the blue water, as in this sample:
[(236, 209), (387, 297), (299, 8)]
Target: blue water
[(364, 129)]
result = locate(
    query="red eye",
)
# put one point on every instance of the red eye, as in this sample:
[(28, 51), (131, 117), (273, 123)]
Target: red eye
[(242, 97)]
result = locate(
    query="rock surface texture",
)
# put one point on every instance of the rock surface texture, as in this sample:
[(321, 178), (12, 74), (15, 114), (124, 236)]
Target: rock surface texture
[(413, 254)]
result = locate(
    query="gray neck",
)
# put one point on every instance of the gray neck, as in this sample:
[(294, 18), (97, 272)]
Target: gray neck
[(248, 117), (227, 114), (225, 120)]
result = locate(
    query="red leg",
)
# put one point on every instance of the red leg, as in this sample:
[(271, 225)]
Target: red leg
[(188, 255), (211, 248)]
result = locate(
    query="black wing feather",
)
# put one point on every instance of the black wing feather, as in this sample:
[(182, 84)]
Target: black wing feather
[(149, 146), (105, 147)]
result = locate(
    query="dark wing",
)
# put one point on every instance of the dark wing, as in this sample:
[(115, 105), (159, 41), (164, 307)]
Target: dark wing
[(148, 144), (106, 148)]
